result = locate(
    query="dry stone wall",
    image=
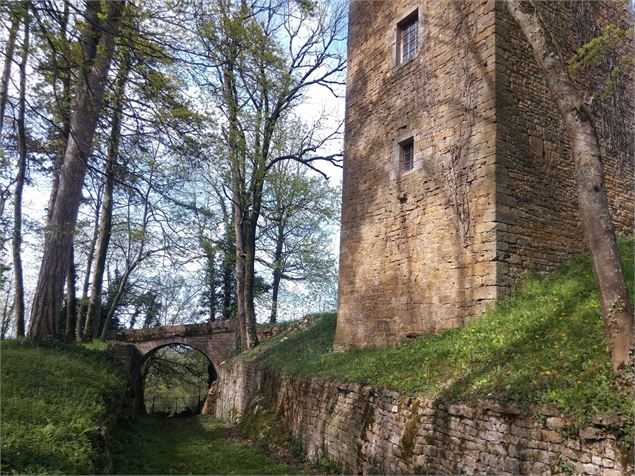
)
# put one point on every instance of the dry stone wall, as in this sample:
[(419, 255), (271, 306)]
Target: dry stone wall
[(373, 431)]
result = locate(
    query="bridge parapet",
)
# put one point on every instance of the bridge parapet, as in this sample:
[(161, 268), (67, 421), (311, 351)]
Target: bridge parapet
[(179, 331), (217, 340)]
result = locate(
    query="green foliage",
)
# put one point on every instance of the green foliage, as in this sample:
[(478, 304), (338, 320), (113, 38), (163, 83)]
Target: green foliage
[(543, 345), (175, 372), (55, 400), (598, 50), (325, 465), (299, 214), (96, 344), (199, 445)]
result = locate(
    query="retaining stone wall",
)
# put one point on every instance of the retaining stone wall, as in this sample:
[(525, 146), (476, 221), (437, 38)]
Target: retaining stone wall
[(376, 431)]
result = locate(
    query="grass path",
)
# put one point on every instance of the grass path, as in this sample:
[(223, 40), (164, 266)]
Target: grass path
[(197, 445)]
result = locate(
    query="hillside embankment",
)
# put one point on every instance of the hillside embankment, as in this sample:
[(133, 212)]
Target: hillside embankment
[(526, 388)]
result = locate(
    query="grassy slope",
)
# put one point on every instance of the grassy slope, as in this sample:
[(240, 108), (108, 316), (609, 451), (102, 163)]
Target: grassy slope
[(544, 345), (198, 445), (53, 398)]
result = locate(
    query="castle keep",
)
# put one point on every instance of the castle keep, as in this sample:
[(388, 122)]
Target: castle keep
[(457, 170)]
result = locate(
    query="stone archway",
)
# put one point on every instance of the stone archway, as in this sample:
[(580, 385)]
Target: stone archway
[(212, 375), (215, 340)]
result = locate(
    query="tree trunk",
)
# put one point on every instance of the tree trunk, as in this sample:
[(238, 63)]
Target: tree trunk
[(240, 279), (64, 111), (229, 259), (98, 45), (105, 231), (19, 187), (115, 301), (246, 255), (83, 304), (245, 221), (105, 227), (237, 173), (6, 71), (7, 314), (593, 205), (71, 299), (211, 283), (277, 274)]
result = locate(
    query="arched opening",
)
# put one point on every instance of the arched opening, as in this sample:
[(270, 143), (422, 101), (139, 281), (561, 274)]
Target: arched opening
[(175, 379)]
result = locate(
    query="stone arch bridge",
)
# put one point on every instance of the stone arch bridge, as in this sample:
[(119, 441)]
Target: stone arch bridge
[(216, 340)]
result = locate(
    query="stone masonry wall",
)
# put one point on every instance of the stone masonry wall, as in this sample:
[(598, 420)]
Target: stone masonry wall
[(417, 248), (216, 340), (375, 431), (492, 192), (536, 201)]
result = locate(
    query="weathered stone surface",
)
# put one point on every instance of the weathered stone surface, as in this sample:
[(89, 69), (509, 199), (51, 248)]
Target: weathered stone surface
[(216, 340), (590, 433), (554, 423), (492, 192), (358, 431)]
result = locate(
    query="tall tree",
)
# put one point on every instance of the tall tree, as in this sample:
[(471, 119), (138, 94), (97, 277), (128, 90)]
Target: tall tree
[(105, 221), (19, 184), (6, 70), (97, 44), (593, 205), (265, 57), (71, 299), (83, 302), (6, 302), (210, 297), (298, 210)]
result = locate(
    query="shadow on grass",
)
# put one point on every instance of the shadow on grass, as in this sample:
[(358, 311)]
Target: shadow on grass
[(543, 345), (196, 445)]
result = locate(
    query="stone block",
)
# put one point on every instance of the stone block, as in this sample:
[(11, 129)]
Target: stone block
[(590, 433), (554, 423), (611, 472)]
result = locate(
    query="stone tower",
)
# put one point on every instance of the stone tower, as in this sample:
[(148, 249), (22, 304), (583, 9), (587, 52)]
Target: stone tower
[(457, 169)]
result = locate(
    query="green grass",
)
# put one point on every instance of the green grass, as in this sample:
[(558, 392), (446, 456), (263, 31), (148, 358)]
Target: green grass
[(54, 400), (544, 345), (199, 445), (96, 344)]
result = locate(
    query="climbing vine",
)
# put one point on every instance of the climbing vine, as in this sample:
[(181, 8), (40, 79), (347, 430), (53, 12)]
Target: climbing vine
[(457, 170)]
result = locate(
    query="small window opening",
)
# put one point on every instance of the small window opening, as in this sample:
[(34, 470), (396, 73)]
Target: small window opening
[(406, 155), (408, 37)]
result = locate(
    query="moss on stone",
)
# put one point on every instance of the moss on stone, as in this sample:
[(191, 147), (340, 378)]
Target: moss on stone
[(408, 438)]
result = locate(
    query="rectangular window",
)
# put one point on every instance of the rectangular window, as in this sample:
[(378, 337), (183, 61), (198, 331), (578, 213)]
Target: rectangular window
[(408, 37), (407, 155)]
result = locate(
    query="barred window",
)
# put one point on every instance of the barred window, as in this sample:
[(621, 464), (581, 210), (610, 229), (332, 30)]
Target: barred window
[(408, 37), (406, 155)]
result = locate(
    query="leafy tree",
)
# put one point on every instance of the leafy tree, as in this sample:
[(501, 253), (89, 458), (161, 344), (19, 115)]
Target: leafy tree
[(147, 110), (105, 220), (6, 70), (98, 42), (19, 182), (264, 57), (298, 212)]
